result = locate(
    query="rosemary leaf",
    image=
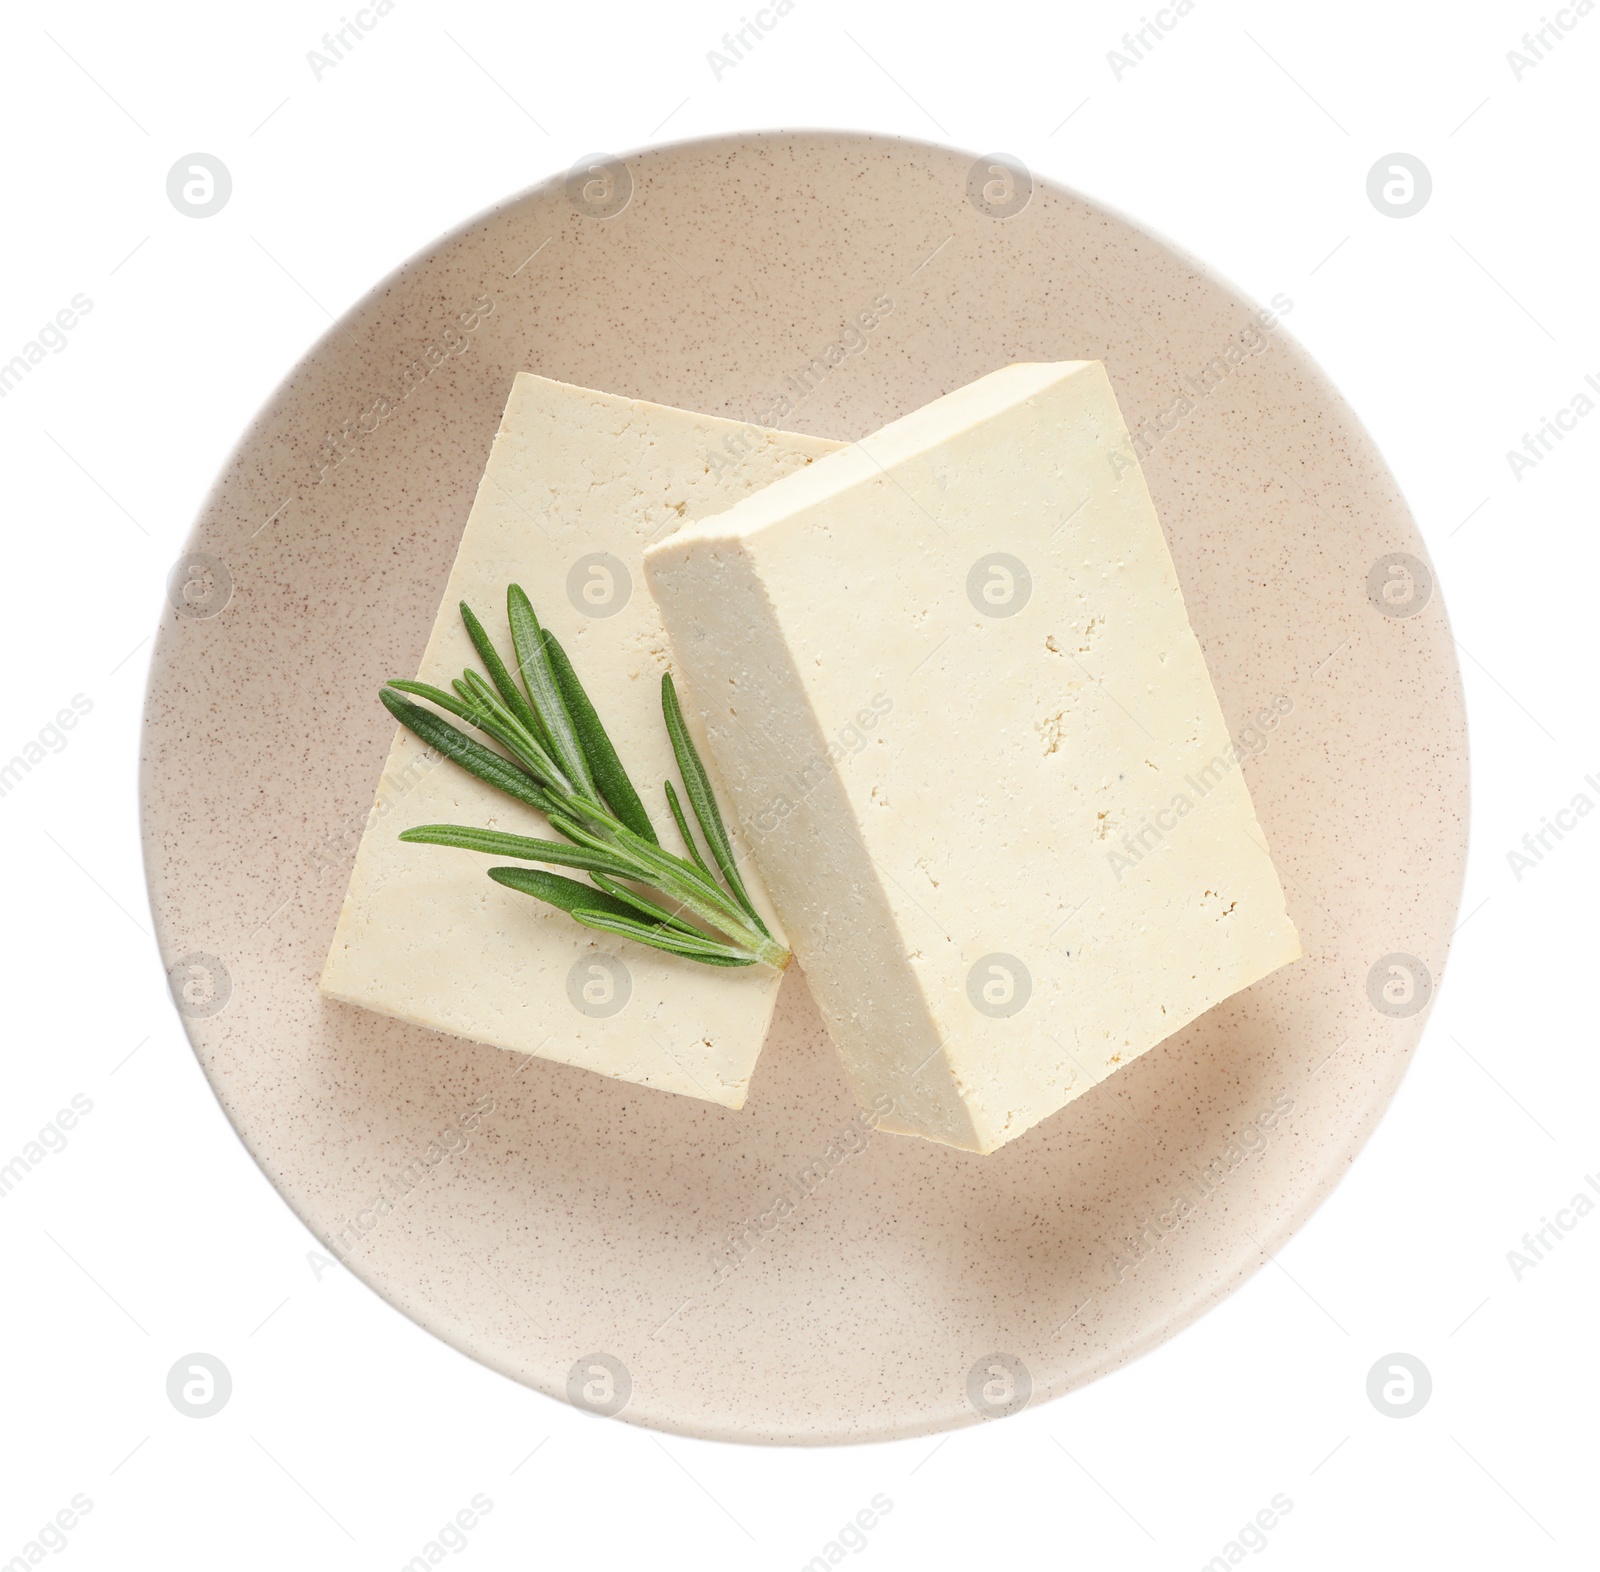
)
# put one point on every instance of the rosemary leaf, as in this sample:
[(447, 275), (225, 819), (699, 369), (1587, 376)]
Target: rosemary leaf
[(501, 724), (644, 904), (472, 756), (673, 943), (540, 681), (720, 960), (700, 894), (685, 831), (497, 844), (483, 709), (515, 700), (497, 723), (698, 784), (567, 894), (456, 705), (606, 768)]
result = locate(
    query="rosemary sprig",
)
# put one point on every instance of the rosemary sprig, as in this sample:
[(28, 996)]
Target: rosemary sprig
[(559, 760)]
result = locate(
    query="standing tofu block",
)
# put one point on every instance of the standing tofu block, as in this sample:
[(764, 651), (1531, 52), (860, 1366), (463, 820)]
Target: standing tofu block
[(578, 483), (949, 683)]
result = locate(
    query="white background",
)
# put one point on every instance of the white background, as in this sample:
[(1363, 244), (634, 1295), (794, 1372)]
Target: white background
[(351, 1435)]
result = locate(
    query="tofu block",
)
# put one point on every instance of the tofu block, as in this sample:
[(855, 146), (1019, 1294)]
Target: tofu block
[(951, 689), (578, 483)]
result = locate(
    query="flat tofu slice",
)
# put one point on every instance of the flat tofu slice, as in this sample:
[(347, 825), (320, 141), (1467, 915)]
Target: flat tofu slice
[(578, 483), (949, 682)]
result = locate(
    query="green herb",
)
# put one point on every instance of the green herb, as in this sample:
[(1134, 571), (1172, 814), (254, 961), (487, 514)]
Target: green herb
[(559, 760)]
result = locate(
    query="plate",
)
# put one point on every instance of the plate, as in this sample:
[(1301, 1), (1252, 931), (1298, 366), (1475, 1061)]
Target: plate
[(775, 1274)]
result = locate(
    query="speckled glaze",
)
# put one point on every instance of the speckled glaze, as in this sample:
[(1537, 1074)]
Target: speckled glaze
[(784, 1274)]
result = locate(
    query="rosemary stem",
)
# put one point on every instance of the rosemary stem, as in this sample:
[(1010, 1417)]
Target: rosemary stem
[(563, 763), (685, 882)]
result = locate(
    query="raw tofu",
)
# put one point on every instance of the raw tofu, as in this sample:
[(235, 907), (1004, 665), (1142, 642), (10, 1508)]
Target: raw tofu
[(950, 685), (424, 935)]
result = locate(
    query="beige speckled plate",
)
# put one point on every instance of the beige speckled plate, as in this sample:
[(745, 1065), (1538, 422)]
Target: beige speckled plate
[(539, 1217)]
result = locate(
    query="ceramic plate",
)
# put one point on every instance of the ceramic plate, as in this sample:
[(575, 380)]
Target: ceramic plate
[(570, 1237)]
